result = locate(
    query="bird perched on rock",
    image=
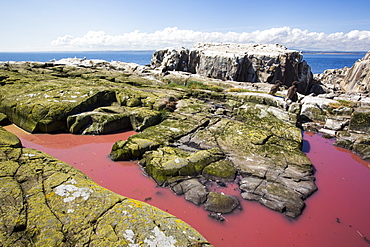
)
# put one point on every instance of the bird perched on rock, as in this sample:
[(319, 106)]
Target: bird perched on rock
[(292, 95), (275, 87)]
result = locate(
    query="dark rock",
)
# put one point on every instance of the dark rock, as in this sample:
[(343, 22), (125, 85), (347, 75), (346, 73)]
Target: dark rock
[(4, 120), (217, 216), (193, 190)]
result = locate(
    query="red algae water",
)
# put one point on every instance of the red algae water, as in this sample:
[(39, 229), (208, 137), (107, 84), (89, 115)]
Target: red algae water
[(338, 214)]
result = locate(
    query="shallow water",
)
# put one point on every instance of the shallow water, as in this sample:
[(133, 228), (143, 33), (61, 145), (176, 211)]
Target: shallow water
[(335, 215)]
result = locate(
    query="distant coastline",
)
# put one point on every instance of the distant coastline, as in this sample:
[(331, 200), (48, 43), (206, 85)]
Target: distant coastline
[(319, 61), (336, 52)]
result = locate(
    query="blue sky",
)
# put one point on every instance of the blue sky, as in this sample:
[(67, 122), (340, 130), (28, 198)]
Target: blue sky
[(47, 25)]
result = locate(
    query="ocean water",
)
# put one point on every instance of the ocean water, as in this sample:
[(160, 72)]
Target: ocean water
[(318, 61), (139, 57), (321, 62)]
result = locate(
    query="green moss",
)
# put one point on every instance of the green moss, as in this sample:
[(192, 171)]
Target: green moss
[(220, 170), (360, 120), (220, 203), (132, 149), (196, 85), (8, 139), (167, 162), (243, 90)]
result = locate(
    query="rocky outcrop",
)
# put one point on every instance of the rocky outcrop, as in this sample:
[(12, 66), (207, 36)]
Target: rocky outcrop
[(78, 99), (195, 139), (345, 117), (350, 80), (238, 62), (110, 119), (204, 130), (45, 202), (357, 78), (342, 111)]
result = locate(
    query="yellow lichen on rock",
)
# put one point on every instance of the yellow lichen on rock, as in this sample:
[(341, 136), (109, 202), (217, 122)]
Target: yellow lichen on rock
[(45, 202)]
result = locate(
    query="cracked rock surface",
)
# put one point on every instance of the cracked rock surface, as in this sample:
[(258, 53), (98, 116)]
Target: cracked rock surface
[(263, 152), (45, 202), (190, 128)]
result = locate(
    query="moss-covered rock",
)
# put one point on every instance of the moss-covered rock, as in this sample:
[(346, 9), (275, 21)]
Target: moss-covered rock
[(112, 119), (360, 120), (220, 203), (173, 127), (185, 132), (45, 202), (313, 113), (132, 149), (222, 170), (41, 99), (360, 145), (45, 110), (8, 139), (261, 98), (167, 162)]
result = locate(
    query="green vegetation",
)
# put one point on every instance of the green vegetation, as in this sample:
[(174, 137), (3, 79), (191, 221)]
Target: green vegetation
[(342, 103)]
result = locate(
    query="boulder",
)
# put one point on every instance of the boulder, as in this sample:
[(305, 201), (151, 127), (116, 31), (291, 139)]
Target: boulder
[(8, 139), (45, 202), (192, 189), (238, 62), (222, 170), (111, 119), (361, 147), (132, 149), (170, 129), (36, 110), (220, 203), (336, 123), (360, 120), (274, 196), (357, 143), (316, 108), (167, 163)]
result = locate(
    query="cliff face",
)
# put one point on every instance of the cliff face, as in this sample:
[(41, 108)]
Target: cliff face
[(351, 80), (357, 78), (238, 62)]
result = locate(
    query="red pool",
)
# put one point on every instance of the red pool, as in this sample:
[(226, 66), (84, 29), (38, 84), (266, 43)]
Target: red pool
[(338, 214)]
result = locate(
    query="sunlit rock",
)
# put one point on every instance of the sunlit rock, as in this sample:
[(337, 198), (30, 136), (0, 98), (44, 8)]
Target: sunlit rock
[(46, 202), (238, 62)]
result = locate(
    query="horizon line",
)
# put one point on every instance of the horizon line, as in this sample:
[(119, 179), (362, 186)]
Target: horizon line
[(151, 50)]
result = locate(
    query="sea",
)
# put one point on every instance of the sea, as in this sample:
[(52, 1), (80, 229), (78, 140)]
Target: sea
[(318, 61)]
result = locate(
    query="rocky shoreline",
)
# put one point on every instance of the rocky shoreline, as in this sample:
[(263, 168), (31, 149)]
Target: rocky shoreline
[(46, 202), (195, 125)]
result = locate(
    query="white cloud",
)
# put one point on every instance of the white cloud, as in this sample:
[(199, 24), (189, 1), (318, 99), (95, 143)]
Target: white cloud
[(295, 38)]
